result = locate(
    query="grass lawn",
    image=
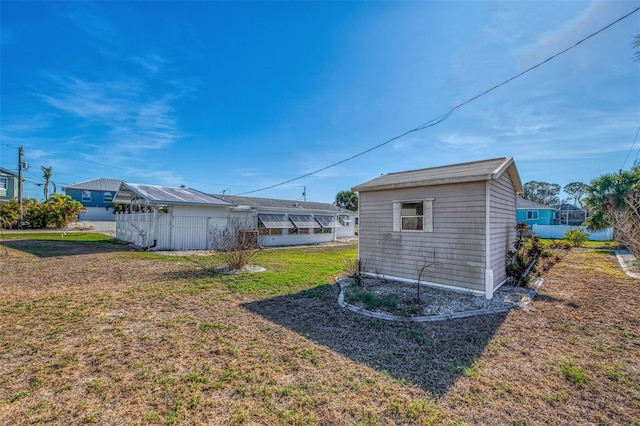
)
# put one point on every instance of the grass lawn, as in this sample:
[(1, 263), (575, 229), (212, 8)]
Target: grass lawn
[(95, 332)]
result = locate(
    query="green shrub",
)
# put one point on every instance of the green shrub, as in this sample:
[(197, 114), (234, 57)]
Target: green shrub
[(9, 213), (576, 236)]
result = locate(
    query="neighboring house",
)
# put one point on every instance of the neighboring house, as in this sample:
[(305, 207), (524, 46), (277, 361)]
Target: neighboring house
[(8, 184), (288, 222), (168, 218), (460, 216), (96, 196), (533, 213)]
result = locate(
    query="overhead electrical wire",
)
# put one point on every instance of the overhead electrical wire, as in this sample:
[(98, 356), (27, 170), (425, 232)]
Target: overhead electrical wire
[(437, 120), (635, 139)]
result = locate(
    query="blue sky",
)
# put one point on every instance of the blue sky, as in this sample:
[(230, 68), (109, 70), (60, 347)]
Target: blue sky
[(237, 96)]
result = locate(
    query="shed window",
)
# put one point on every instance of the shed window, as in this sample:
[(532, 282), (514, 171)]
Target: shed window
[(328, 221), (413, 216), (86, 195), (532, 214), (3, 183)]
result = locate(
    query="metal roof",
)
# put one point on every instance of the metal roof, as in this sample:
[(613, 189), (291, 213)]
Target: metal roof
[(168, 195), (100, 184), (456, 173), (271, 203)]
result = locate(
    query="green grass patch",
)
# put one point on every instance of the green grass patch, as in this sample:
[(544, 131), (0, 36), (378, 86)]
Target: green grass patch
[(86, 237), (371, 302), (573, 373)]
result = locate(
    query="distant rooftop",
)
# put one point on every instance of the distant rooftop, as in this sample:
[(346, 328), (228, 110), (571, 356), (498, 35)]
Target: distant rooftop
[(7, 172), (100, 184), (256, 202), (523, 203), (165, 195)]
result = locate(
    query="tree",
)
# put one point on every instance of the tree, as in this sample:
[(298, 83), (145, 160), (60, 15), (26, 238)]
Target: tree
[(46, 175), (607, 195), (541, 192), (347, 200), (576, 191)]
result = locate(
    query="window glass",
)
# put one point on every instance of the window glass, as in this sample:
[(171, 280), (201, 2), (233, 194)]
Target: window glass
[(3, 183), (86, 195), (107, 197), (412, 215)]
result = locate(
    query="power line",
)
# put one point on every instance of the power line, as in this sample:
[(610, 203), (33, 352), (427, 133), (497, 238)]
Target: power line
[(635, 139), (443, 117)]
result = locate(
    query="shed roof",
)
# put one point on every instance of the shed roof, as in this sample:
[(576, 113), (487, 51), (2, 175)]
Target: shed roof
[(523, 203), (7, 172), (168, 195), (272, 203), (456, 173), (100, 184)]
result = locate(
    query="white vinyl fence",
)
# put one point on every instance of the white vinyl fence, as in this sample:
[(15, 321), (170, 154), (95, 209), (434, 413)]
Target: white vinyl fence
[(558, 231), (166, 232)]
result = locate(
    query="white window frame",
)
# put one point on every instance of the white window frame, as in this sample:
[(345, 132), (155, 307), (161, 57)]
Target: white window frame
[(86, 199), (427, 215), (4, 183), (531, 214)]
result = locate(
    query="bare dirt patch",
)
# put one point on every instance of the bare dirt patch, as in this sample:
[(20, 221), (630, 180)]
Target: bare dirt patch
[(121, 337)]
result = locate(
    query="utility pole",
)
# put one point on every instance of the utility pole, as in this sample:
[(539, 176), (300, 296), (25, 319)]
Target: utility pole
[(20, 155)]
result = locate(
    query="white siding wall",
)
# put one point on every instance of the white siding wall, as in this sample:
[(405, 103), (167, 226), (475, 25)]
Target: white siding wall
[(183, 228), (458, 236), (503, 219), (189, 228), (294, 239)]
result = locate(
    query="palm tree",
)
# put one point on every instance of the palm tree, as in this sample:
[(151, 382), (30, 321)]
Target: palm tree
[(46, 175)]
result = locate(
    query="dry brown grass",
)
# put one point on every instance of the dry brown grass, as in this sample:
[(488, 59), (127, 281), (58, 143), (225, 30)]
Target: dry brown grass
[(99, 334)]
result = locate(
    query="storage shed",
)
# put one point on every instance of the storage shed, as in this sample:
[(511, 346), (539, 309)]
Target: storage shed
[(459, 217)]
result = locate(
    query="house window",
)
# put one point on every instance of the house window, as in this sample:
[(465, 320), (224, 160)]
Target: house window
[(86, 196), (413, 216), (328, 221), (107, 197), (532, 214), (345, 221), (272, 224), (4, 182)]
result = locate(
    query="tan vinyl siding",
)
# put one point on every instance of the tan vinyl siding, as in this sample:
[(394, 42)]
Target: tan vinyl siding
[(458, 236), (503, 218)]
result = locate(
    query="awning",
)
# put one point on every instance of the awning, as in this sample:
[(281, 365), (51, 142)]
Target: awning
[(328, 221), (303, 221), (274, 220)]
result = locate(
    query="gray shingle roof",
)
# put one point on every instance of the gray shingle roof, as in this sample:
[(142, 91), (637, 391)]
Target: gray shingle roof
[(100, 184), (7, 172), (455, 173), (256, 202), (169, 195), (523, 203)]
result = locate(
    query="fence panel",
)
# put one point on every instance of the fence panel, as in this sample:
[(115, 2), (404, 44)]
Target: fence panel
[(558, 231)]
